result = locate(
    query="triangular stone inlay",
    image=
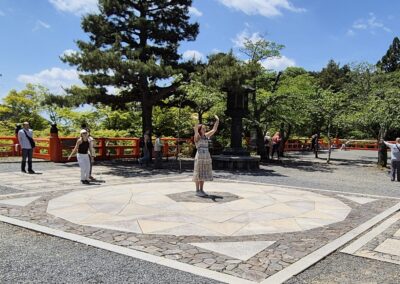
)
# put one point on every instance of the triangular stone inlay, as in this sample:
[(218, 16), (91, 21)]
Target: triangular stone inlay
[(19, 201), (238, 250), (359, 200)]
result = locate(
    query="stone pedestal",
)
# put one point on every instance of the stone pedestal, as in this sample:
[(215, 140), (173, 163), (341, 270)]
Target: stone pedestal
[(232, 162)]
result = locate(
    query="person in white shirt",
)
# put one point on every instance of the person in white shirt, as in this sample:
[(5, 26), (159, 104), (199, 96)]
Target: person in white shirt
[(25, 138), (158, 151), (395, 159)]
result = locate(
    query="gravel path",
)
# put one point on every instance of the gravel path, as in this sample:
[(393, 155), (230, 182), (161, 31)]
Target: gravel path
[(30, 257)]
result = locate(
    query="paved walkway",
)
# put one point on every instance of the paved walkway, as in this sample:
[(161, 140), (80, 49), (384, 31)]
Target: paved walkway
[(249, 231)]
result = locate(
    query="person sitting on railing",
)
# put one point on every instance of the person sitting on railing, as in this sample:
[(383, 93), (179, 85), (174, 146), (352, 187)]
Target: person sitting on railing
[(25, 138)]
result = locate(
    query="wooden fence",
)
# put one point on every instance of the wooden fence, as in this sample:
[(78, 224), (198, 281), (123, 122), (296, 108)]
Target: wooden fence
[(57, 149)]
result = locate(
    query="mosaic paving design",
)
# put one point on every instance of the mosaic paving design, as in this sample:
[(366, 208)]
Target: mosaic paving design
[(248, 251), (146, 208)]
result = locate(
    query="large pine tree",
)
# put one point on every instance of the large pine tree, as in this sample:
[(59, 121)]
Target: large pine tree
[(132, 46), (390, 62)]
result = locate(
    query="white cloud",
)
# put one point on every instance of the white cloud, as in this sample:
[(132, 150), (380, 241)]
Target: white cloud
[(266, 8), (245, 35), (278, 63), (77, 7), (193, 54), (54, 79), (40, 25), (371, 24), (195, 12), (68, 52)]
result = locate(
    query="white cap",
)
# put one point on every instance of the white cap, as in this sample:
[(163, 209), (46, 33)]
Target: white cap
[(83, 131)]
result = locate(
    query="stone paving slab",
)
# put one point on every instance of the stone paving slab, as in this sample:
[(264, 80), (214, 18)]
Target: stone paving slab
[(381, 243), (327, 216)]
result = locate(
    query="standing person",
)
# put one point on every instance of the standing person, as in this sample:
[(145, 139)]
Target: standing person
[(158, 151), (314, 139), (395, 159), (267, 143), (92, 153), (83, 148), (276, 141), (25, 138), (202, 162), (147, 147)]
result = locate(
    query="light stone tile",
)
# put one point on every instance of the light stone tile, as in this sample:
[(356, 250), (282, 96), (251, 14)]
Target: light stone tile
[(310, 223), (195, 206), (243, 204), (174, 217), (286, 197), (238, 250), (397, 234), (255, 229), (19, 201), (302, 206), (257, 216), (282, 209), (283, 225), (227, 228), (108, 207), (149, 226), (389, 246), (317, 215), (189, 230), (220, 217), (102, 218)]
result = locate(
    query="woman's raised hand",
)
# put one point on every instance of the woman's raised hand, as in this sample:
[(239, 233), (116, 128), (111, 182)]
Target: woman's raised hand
[(216, 117)]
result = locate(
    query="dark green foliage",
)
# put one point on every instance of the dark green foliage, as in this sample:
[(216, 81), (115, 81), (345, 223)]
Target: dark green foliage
[(132, 46), (390, 62)]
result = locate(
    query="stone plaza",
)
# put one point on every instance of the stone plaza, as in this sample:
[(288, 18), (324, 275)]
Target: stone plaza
[(248, 232)]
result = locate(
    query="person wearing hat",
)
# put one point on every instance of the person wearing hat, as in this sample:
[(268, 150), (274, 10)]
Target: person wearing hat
[(83, 148)]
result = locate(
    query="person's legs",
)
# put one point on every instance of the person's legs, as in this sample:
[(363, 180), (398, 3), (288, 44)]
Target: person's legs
[(392, 170), (30, 154), (398, 170), (83, 161), (23, 162)]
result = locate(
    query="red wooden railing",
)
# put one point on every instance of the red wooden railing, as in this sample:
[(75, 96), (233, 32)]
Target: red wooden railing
[(57, 149)]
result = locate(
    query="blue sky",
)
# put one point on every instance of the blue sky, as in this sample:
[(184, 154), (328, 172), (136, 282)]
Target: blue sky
[(35, 33)]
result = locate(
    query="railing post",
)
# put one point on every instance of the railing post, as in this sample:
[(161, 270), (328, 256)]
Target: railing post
[(103, 150), (55, 145)]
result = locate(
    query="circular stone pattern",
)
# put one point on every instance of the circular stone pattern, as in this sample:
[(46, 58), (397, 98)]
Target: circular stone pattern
[(146, 208)]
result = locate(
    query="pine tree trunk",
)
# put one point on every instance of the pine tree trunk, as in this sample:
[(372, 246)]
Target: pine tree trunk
[(147, 117), (382, 150)]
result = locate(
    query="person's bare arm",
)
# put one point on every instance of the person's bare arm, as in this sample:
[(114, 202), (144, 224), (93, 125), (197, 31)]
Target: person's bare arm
[(196, 133), (215, 128), (75, 149)]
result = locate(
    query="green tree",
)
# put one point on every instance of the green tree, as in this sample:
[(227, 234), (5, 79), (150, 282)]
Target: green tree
[(390, 62), (202, 97), (257, 51), (23, 106), (133, 47)]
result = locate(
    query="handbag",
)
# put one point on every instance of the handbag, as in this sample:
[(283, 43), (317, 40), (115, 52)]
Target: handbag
[(33, 144)]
